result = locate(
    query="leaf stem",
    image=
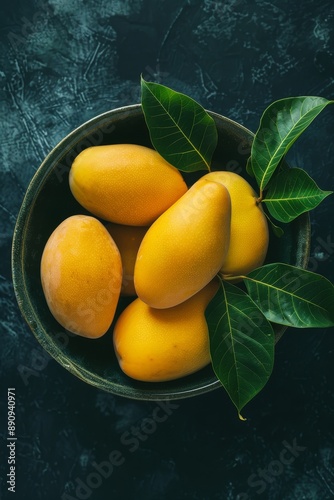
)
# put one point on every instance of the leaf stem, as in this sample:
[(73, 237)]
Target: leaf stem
[(228, 277), (260, 198)]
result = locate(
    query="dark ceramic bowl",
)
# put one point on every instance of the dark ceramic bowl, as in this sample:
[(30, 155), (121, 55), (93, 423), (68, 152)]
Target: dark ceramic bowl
[(48, 201)]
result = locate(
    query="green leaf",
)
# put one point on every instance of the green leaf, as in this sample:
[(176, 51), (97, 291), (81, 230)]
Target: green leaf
[(249, 168), (241, 344), (292, 192), (180, 129), (277, 230), (292, 296), (280, 126)]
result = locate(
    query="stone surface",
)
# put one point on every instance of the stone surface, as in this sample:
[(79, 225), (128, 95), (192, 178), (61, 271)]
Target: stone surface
[(65, 61)]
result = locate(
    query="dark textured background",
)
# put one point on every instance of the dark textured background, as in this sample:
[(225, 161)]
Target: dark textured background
[(65, 61)]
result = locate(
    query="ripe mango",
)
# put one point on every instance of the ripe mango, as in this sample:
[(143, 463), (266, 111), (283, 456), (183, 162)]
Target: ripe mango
[(249, 227), (81, 274), (128, 240), (156, 345), (125, 183), (185, 247)]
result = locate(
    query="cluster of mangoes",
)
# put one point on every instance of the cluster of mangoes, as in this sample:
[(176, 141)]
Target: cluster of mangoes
[(151, 236)]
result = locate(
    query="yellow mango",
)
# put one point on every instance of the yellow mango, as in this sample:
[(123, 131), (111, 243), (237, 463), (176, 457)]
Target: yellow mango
[(185, 247), (125, 183), (81, 274), (128, 240), (156, 345), (249, 227)]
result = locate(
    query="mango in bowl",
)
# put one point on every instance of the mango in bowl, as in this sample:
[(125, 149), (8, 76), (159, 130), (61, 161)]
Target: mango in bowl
[(49, 201)]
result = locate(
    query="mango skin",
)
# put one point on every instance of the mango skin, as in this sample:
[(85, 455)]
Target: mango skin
[(249, 238), (185, 247), (128, 240), (157, 345), (81, 275), (125, 183)]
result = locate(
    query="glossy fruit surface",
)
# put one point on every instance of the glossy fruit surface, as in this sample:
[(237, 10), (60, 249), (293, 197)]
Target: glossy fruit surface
[(249, 227), (125, 183), (185, 247), (81, 274), (89, 360), (157, 345)]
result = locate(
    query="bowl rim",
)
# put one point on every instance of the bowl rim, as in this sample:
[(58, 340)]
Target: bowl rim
[(23, 298)]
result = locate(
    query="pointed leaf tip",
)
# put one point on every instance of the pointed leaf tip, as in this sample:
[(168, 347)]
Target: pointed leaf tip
[(280, 126), (291, 193), (180, 129), (292, 296), (241, 344)]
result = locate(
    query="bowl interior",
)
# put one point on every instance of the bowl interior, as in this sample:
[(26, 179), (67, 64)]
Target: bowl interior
[(48, 201)]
